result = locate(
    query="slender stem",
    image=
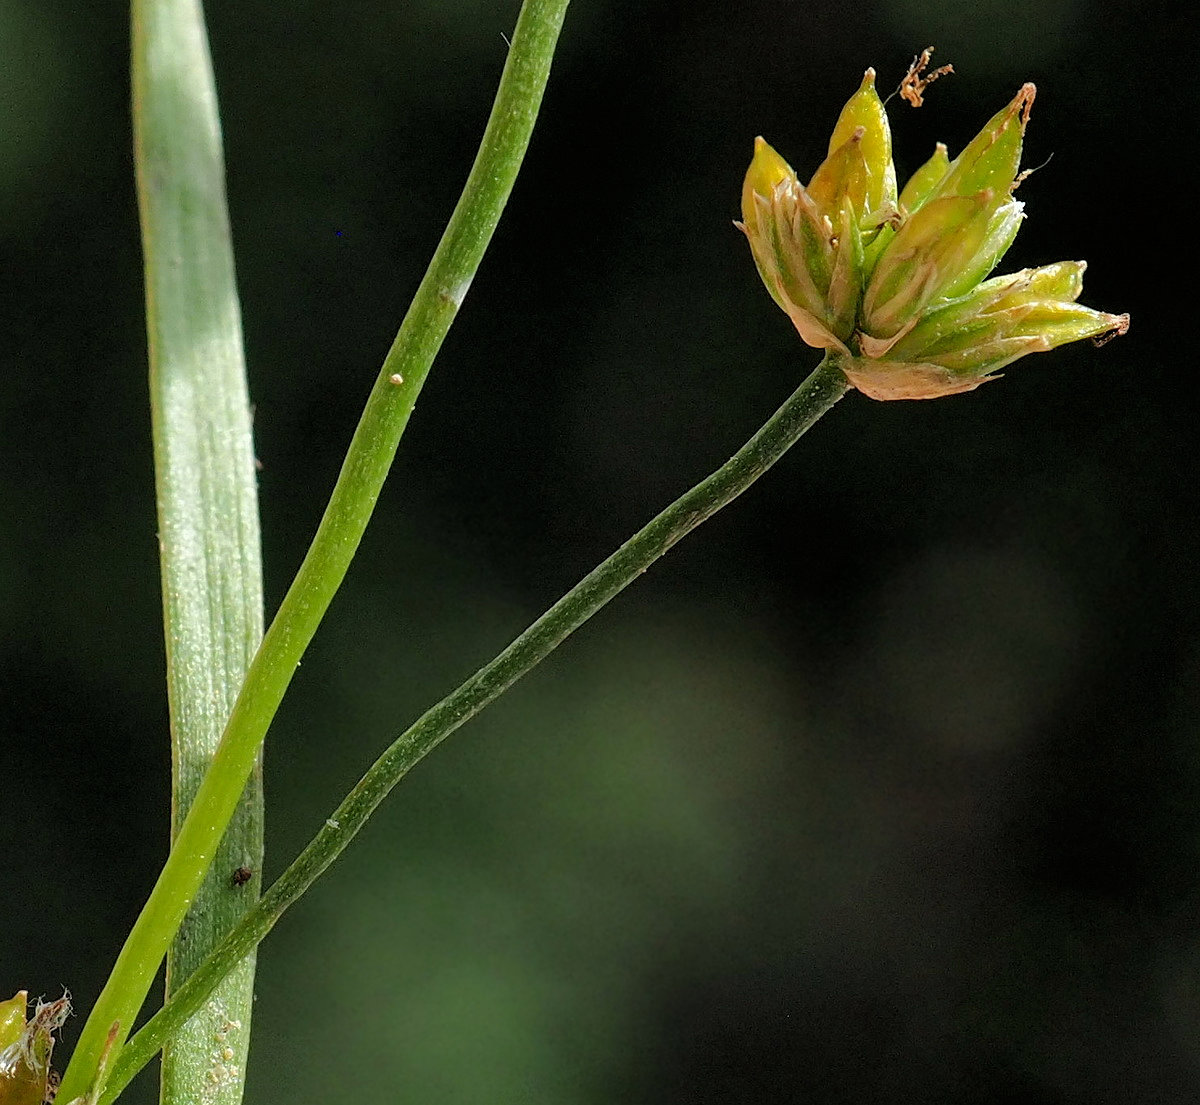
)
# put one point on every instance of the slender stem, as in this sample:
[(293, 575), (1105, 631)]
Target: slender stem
[(207, 500), (368, 459), (823, 388)]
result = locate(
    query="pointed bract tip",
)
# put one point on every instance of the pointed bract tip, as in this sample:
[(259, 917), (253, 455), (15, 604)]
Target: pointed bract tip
[(1023, 102), (1120, 325), (767, 169), (868, 80)]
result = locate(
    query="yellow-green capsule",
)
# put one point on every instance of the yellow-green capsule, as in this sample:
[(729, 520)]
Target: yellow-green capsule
[(1031, 328), (842, 175), (1060, 280), (960, 322), (921, 184), (21, 1082), (993, 156), (1003, 224), (1003, 319), (12, 1019), (927, 254), (968, 354), (768, 172), (864, 110)]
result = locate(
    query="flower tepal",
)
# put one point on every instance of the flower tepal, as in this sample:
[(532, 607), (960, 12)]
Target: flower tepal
[(895, 285)]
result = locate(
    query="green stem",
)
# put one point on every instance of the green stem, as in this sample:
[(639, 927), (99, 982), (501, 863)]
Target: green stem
[(823, 388), (207, 500), (350, 506)]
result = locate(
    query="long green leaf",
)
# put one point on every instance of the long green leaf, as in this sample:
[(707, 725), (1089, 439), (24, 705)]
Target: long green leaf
[(207, 505)]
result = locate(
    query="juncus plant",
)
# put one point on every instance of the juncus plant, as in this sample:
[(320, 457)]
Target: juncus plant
[(892, 284)]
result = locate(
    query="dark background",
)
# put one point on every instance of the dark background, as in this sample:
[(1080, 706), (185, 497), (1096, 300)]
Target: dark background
[(883, 787)]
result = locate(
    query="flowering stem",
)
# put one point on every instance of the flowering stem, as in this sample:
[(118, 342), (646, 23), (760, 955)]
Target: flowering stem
[(351, 504), (823, 388)]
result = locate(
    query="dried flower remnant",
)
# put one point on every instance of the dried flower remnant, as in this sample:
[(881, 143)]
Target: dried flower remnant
[(895, 286), (913, 87), (25, 1049)]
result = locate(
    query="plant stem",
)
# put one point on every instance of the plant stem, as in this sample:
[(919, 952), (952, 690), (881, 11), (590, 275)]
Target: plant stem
[(207, 502), (823, 388), (368, 459)]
